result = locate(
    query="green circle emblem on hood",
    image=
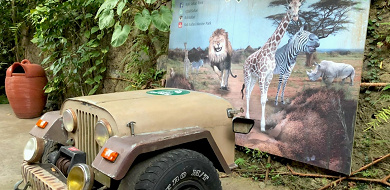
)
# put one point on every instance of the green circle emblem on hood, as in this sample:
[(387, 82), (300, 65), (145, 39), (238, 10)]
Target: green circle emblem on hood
[(168, 92)]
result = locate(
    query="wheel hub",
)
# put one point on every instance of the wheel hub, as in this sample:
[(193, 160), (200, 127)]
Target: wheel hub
[(189, 185)]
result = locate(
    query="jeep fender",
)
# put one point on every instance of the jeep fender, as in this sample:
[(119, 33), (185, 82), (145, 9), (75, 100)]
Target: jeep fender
[(130, 147), (53, 130)]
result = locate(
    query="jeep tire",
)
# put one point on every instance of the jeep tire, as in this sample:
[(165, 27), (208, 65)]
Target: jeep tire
[(178, 169)]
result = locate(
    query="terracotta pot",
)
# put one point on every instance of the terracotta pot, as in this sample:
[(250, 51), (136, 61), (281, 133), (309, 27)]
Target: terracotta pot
[(24, 85)]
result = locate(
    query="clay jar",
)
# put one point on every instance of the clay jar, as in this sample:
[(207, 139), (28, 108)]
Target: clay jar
[(24, 85)]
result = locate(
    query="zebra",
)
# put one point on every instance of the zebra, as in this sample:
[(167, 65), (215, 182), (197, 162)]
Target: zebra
[(302, 41), (196, 65)]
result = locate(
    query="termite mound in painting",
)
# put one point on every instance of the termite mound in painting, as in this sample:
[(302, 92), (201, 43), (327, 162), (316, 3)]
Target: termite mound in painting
[(316, 127), (179, 81)]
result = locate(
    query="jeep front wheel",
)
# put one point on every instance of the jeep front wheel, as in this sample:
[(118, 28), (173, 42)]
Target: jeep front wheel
[(178, 169)]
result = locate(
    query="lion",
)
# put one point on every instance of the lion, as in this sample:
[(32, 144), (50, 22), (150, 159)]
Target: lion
[(220, 53)]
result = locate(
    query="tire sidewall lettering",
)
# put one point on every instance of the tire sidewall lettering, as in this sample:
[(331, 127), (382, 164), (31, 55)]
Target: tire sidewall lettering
[(175, 180), (202, 175), (173, 169)]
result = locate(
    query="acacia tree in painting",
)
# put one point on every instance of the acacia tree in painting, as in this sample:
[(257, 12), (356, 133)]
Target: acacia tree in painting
[(324, 18)]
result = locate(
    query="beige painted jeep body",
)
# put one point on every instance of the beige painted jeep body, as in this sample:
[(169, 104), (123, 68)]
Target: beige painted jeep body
[(143, 123)]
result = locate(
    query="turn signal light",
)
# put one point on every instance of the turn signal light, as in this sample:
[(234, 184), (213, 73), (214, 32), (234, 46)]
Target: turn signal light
[(41, 124), (109, 155)]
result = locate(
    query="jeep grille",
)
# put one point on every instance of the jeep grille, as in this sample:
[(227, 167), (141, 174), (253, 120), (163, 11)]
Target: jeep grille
[(85, 139)]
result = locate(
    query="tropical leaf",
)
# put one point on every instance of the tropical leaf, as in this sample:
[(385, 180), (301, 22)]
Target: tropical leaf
[(98, 78), (94, 54), (88, 15), (150, 1), (87, 34), (120, 7), (102, 69), (89, 81), (108, 5), (105, 50), (120, 34), (386, 87), (94, 29), (142, 21), (94, 89), (166, 15), (162, 18), (106, 20), (100, 36), (49, 90)]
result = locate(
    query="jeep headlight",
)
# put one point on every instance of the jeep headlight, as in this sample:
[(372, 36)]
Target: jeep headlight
[(33, 150), (102, 132), (80, 177), (69, 120)]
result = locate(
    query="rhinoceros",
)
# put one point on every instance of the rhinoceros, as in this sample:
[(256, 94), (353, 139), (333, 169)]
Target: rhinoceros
[(330, 70)]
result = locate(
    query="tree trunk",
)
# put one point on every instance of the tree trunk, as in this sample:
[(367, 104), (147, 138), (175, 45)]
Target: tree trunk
[(309, 59)]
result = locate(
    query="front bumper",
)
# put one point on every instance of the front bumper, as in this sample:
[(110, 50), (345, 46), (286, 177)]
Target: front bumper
[(43, 177)]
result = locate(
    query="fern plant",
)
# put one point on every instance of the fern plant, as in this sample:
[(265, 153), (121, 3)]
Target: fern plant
[(383, 97), (383, 116), (241, 162)]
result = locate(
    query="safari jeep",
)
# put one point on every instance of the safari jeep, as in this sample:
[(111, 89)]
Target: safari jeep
[(151, 139)]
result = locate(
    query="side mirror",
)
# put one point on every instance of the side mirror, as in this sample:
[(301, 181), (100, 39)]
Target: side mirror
[(242, 125)]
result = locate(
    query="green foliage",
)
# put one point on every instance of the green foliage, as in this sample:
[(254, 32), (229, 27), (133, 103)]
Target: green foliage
[(144, 13), (252, 163), (276, 179), (369, 173), (373, 58), (162, 18), (255, 154), (378, 40), (12, 31), (381, 117), (383, 98), (120, 34), (148, 77), (143, 20), (11, 22), (148, 21), (3, 99), (241, 162), (74, 51), (141, 60), (106, 19), (72, 37)]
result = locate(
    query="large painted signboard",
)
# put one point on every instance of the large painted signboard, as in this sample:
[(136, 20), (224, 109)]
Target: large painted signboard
[(294, 67)]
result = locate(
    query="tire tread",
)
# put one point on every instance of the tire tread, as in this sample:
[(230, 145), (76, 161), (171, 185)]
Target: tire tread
[(152, 169)]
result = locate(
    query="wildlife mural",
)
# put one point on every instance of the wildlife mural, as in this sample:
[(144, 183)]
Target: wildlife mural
[(259, 66), (233, 49), (329, 70), (302, 41), (220, 56)]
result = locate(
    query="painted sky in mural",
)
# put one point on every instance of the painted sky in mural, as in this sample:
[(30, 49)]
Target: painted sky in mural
[(245, 22)]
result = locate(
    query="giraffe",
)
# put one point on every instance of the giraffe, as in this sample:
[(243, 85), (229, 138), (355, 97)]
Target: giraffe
[(259, 66), (186, 60)]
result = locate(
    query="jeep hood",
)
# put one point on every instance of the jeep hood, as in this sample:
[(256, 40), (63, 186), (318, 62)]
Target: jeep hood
[(155, 110)]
